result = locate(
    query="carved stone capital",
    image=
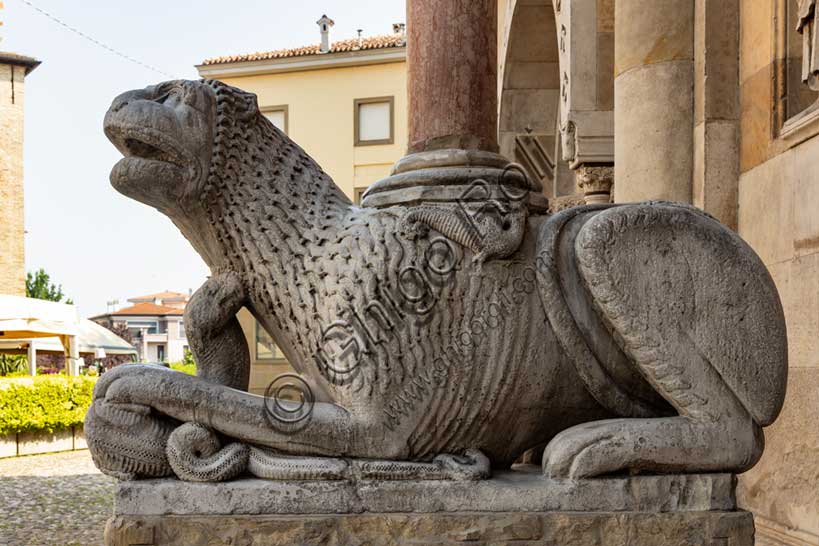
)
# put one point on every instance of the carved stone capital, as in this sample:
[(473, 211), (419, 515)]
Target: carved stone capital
[(596, 183)]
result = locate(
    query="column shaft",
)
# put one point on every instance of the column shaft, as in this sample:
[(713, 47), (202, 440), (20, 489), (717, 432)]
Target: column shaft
[(654, 100), (452, 74)]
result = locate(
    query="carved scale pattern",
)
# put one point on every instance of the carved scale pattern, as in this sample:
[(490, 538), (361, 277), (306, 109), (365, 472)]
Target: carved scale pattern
[(309, 257)]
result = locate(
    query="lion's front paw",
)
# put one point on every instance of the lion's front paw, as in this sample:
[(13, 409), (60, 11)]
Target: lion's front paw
[(132, 383), (586, 451), (471, 466)]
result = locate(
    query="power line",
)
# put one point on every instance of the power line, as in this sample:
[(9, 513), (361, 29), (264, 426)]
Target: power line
[(94, 41)]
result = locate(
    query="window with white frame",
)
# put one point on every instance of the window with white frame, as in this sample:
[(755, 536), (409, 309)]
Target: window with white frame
[(181, 330), (374, 121), (278, 116)]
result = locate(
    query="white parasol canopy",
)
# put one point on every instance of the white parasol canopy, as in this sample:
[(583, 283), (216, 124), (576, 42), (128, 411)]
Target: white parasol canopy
[(54, 327)]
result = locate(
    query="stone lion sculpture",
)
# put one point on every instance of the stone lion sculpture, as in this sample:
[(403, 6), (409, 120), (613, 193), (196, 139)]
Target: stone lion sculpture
[(642, 337)]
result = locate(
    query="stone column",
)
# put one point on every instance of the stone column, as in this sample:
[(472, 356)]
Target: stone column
[(654, 100), (452, 70), (715, 185), (452, 65)]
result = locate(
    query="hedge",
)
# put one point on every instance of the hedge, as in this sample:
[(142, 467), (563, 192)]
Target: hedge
[(189, 369), (45, 404)]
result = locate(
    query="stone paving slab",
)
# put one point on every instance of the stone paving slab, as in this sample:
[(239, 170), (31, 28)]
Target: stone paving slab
[(54, 499)]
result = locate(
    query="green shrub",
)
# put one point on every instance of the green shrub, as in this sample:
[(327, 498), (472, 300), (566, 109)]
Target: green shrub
[(189, 369), (16, 374), (186, 365), (44, 404)]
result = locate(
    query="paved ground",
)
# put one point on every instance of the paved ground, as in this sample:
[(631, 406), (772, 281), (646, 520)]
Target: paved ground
[(56, 499)]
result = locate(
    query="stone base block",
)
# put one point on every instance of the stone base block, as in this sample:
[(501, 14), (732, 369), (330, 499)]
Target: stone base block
[(518, 507), (467, 529)]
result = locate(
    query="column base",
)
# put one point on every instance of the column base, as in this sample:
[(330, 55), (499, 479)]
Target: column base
[(450, 176)]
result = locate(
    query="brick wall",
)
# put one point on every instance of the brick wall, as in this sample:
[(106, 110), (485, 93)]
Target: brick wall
[(12, 259)]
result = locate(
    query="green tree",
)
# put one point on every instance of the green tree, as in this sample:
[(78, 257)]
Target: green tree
[(39, 286)]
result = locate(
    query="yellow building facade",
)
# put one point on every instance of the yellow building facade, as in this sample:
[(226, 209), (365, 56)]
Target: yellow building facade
[(345, 103), (323, 101)]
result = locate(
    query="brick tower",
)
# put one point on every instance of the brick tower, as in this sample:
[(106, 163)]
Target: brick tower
[(13, 71)]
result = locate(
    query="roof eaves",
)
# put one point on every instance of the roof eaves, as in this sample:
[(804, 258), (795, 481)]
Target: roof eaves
[(30, 63), (338, 48)]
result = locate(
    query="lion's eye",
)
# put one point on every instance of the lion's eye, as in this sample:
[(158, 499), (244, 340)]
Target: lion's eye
[(173, 97)]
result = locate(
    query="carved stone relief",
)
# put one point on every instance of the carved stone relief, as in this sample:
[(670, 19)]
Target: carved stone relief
[(796, 70), (807, 27), (586, 117), (449, 337)]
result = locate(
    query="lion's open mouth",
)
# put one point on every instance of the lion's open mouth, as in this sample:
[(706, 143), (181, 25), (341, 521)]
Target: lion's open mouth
[(146, 151), (163, 133), (147, 144), (153, 168)]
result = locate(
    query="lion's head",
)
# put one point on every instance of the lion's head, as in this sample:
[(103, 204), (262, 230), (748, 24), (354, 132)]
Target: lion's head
[(165, 133), (174, 137)]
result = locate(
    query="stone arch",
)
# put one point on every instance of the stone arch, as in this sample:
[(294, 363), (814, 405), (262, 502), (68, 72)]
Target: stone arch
[(530, 92), (557, 87)]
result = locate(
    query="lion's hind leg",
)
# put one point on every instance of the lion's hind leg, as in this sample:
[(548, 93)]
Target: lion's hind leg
[(713, 433), (694, 309)]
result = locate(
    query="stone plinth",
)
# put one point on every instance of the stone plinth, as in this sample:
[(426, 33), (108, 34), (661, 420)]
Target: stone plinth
[(519, 507)]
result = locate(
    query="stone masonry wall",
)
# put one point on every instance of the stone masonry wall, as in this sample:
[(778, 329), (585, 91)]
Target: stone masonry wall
[(12, 258), (778, 203)]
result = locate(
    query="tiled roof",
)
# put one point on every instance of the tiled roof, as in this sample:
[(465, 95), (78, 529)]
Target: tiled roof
[(343, 46), (149, 309), (160, 296)]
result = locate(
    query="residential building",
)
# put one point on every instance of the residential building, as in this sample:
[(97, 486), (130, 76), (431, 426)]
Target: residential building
[(345, 103), (155, 323), (346, 106), (13, 71)]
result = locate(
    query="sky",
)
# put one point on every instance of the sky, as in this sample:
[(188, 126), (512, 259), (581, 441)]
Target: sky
[(99, 245)]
